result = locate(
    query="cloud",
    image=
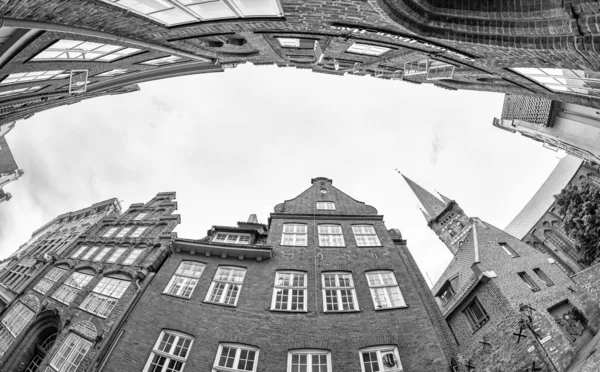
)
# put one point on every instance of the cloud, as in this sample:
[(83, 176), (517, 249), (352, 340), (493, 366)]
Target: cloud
[(436, 147)]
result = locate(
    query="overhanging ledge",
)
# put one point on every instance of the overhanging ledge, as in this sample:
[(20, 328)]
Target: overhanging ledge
[(222, 250)]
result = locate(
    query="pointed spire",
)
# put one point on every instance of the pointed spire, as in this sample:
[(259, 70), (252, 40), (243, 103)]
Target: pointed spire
[(427, 218), (433, 206), (445, 199)]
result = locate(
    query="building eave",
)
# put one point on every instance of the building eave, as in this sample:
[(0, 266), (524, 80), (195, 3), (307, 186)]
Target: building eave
[(222, 250)]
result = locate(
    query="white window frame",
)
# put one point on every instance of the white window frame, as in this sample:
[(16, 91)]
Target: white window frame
[(68, 357), (140, 216), (79, 251), (183, 281), (368, 49), (170, 355), (329, 235), (105, 296), (110, 53), (49, 280), (14, 92), (90, 252), (71, 287), (241, 239), (289, 290), (138, 231), (289, 42), (17, 319), (326, 206), (110, 232), (338, 292), (359, 232), (238, 348), (26, 77), (309, 354), (114, 257), (124, 231), (100, 255), (227, 283), (381, 352), (381, 287), (133, 256), (168, 60), (114, 72), (295, 231), (6, 339)]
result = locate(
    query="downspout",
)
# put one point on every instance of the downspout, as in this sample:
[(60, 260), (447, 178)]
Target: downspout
[(19, 23)]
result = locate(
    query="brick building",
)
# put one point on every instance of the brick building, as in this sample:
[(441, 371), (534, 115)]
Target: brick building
[(558, 125), (539, 223), (9, 170), (66, 316), (52, 53), (324, 286), (510, 307)]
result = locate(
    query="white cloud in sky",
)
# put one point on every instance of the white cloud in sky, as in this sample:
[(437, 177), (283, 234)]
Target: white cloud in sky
[(240, 142)]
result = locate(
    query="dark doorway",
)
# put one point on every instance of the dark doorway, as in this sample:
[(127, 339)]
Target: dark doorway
[(573, 323)]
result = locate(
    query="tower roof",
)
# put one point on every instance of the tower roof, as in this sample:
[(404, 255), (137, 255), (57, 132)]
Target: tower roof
[(433, 206)]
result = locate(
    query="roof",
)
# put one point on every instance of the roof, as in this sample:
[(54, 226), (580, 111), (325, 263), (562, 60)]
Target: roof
[(432, 204), (7, 160), (544, 197)]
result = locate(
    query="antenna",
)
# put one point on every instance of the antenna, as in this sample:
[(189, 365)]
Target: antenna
[(430, 281)]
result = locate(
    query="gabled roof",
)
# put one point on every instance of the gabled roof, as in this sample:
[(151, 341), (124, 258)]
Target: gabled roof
[(433, 205)]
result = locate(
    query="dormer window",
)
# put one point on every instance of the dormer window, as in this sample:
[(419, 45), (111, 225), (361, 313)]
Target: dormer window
[(446, 293), (230, 238)]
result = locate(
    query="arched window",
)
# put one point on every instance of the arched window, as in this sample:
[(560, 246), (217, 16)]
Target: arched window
[(105, 296), (170, 352), (289, 292), (72, 351)]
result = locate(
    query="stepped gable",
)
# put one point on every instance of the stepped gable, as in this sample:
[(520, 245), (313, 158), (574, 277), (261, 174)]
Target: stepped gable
[(322, 190)]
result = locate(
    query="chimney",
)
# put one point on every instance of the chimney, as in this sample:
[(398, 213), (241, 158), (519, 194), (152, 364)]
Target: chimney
[(252, 219)]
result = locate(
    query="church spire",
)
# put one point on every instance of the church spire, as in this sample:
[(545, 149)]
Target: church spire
[(433, 206)]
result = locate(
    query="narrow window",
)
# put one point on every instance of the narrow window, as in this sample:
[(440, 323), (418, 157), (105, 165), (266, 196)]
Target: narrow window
[(49, 280), (380, 358), (234, 357), (232, 238), (115, 255), (101, 254), (71, 353), (309, 361), (365, 236), (542, 275), (162, 61), (294, 234), (17, 318), (508, 249), (226, 285), (446, 293), (184, 280), (124, 232), (67, 292), (476, 314), (528, 281), (289, 293), (105, 296), (329, 206), (113, 72), (89, 253), (79, 251), (331, 236), (110, 232), (384, 290), (132, 256), (140, 216), (6, 339), (170, 352), (138, 231), (338, 292)]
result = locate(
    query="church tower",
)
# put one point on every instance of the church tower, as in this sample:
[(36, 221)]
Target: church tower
[(444, 216)]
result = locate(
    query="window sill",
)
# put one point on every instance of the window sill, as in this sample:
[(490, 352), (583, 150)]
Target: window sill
[(392, 308), (219, 304), (286, 245), (177, 296), (341, 311), (289, 311), (89, 312)]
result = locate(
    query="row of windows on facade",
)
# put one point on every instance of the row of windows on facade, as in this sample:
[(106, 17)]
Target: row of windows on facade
[(134, 232), (96, 254), (172, 349), (290, 288), (295, 234)]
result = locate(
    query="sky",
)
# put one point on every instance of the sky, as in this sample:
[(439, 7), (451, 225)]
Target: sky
[(242, 141)]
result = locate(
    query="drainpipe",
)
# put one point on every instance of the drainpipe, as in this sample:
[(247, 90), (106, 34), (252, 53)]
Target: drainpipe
[(18, 23)]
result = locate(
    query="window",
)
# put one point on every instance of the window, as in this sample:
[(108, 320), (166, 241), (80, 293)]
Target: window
[(290, 291), (140, 216), (287, 42), (138, 231), (542, 275), (170, 12), (48, 280), (89, 253), (384, 290), (528, 281), (232, 238), (123, 232), (67, 292), (565, 80), (17, 318), (508, 249), (329, 206), (380, 358), (233, 357), (24, 77), (102, 253), (170, 352), (309, 361), (446, 293), (110, 232), (365, 236), (370, 50), (331, 236), (14, 92), (132, 256), (338, 292), (185, 279), (476, 314), (161, 61), (71, 353), (116, 254), (5, 340), (113, 72), (105, 296), (294, 234), (79, 251), (226, 285), (83, 50)]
